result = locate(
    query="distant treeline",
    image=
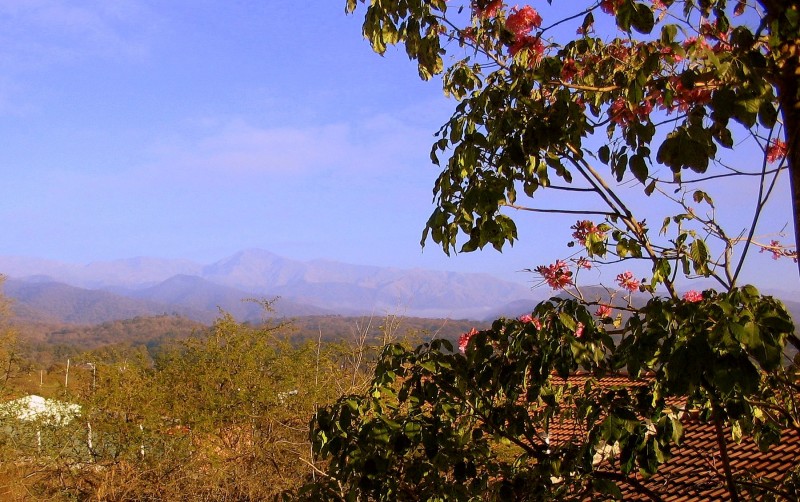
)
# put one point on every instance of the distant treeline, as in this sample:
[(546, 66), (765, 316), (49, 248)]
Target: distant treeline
[(52, 343)]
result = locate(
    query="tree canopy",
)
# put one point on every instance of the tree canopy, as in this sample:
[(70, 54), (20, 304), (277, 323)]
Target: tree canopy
[(585, 101), (656, 91)]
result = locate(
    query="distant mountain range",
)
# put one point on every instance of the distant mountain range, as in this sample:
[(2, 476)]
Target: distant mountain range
[(52, 291)]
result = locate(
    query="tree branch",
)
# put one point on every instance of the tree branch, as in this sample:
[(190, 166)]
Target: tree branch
[(560, 211), (726, 461)]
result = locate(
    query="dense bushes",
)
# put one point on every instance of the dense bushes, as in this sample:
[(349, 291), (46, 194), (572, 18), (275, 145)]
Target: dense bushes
[(222, 417)]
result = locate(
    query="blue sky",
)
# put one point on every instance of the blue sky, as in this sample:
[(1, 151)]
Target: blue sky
[(196, 129)]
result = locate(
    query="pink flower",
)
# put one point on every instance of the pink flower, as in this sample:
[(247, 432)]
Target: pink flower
[(619, 113), (626, 281), (584, 263), (583, 229), (696, 43), (775, 248), (557, 275), (684, 98), (521, 21), (568, 70), (603, 311), (669, 53), (532, 44), (776, 151), (643, 111), (464, 339), (693, 296), (527, 318), (579, 330)]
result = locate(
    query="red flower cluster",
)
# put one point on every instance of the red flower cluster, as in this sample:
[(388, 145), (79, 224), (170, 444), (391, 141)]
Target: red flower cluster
[(669, 53), (713, 34), (521, 21), (627, 281), (698, 43), (603, 311), (468, 34), (557, 275), (464, 339), (682, 97), (693, 296), (527, 318), (686, 98), (620, 113), (533, 44), (776, 151), (568, 70), (583, 229)]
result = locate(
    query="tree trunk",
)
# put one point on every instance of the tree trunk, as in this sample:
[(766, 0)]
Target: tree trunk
[(786, 81), (790, 105)]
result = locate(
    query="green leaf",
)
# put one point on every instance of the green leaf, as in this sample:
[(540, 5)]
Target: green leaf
[(699, 254), (668, 33), (700, 196), (665, 226), (767, 114), (588, 21), (639, 168), (567, 320), (642, 19), (604, 153)]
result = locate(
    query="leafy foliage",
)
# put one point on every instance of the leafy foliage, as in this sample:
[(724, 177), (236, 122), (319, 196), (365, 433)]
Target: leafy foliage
[(531, 109), (527, 413), (521, 414)]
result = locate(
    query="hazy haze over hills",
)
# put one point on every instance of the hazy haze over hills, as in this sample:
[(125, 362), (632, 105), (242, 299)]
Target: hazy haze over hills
[(141, 286), (47, 290)]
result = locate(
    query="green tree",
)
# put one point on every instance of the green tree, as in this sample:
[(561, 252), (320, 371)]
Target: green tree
[(643, 89)]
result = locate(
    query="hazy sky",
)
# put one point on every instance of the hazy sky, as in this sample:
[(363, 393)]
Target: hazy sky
[(182, 129)]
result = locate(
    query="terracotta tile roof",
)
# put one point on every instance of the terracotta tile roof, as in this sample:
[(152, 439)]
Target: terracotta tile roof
[(695, 470)]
